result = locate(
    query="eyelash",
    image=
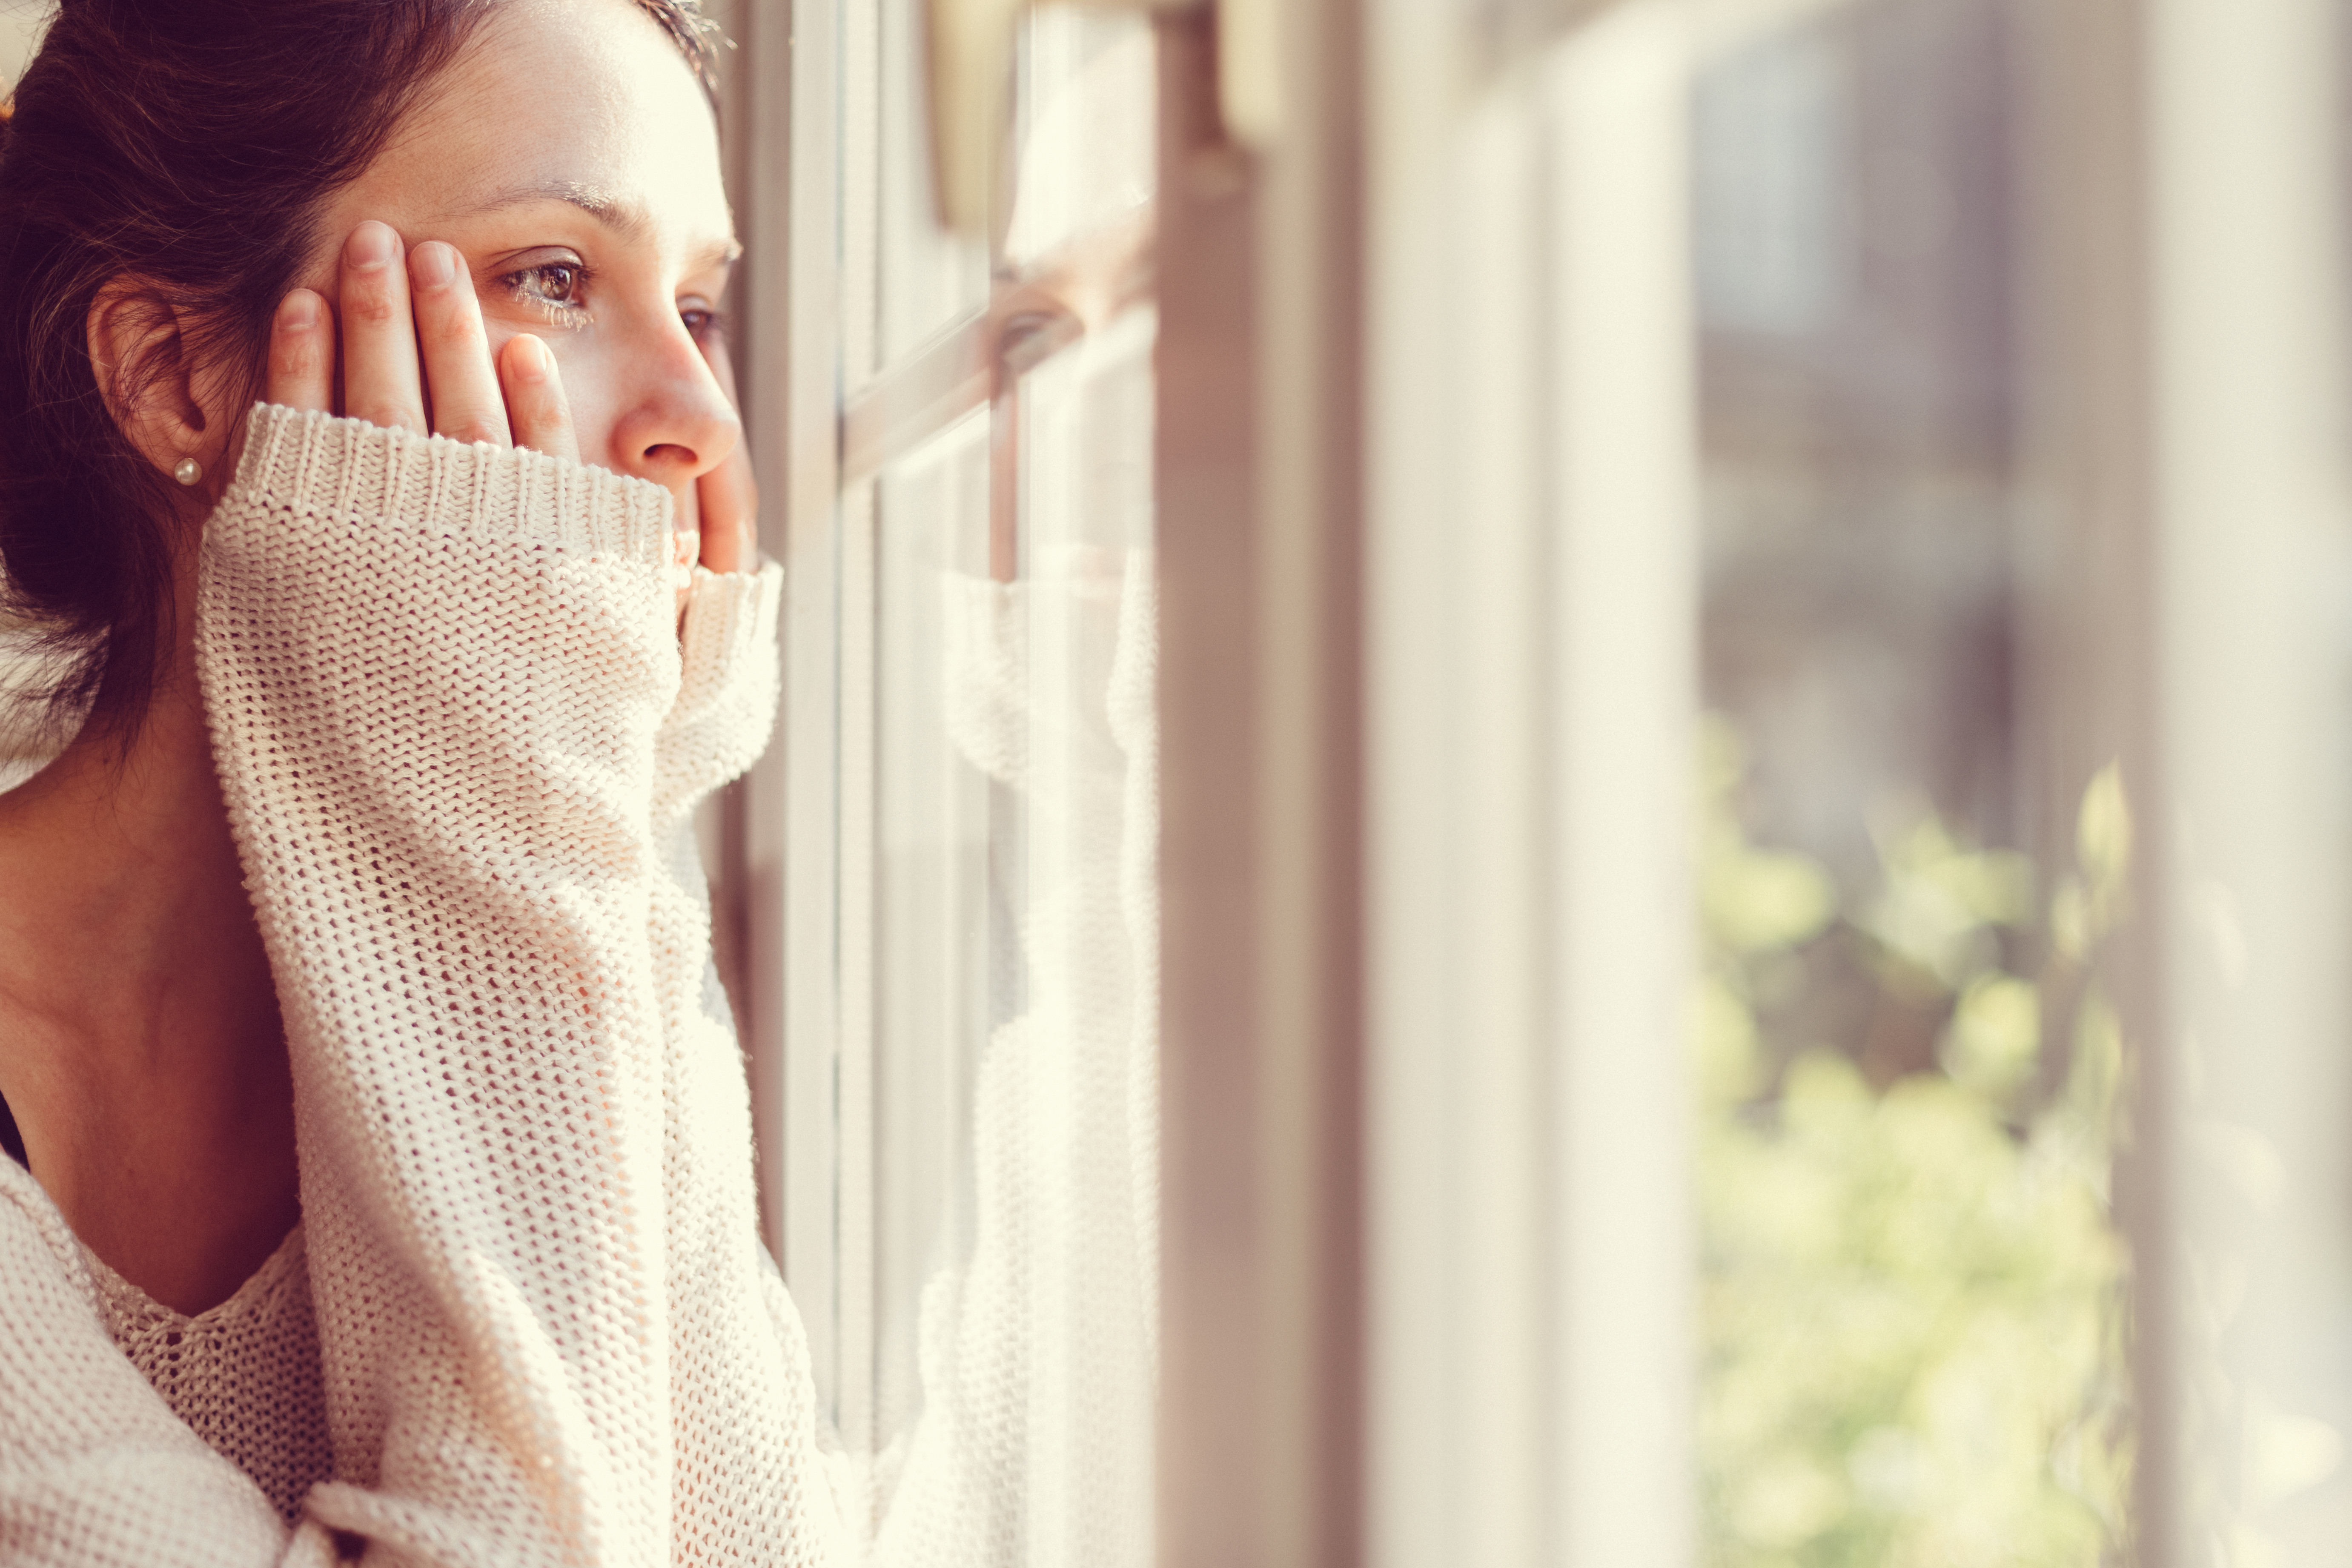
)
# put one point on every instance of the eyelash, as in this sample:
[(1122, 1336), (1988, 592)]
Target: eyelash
[(569, 312)]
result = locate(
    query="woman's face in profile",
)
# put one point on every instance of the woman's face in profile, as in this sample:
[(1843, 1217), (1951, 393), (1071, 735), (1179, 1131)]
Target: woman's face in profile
[(569, 156)]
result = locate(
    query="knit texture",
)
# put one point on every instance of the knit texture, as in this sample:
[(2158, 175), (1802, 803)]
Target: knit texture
[(1038, 1343), (244, 1376), (96, 1471), (461, 738)]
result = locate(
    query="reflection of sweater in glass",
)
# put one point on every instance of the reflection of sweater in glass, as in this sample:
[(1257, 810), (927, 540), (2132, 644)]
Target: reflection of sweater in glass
[(461, 743), (1036, 1340)]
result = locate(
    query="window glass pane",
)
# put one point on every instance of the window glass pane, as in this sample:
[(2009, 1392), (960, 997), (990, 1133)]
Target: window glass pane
[(1016, 1063), (1087, 154), (947, 955), (930, 279), (1008, 1219), (1913, 1284)]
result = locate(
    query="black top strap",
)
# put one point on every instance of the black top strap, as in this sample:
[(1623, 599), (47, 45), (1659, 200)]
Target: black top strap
[(12, 1143)]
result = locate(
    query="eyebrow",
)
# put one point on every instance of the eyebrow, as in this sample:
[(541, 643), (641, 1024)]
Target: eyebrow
[(624, 217)]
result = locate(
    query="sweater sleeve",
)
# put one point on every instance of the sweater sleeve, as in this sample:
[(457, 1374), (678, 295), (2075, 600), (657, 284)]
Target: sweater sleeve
[(439, 678), (750, 1488)]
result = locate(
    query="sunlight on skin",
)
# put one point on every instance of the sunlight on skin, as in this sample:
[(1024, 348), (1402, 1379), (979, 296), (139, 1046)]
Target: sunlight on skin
[(571, 161), (143, 1055)]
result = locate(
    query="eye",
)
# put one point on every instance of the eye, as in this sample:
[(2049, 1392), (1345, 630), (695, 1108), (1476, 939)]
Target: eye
[(702, 321), (559, 283)]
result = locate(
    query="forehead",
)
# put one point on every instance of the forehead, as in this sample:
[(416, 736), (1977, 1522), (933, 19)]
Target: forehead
[(587, 96)]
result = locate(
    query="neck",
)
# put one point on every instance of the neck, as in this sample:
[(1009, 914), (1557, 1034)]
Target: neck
[(140, 1045)]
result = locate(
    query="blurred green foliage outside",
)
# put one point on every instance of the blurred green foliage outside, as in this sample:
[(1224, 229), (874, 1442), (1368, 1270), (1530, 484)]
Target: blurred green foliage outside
[(1912, 1297)]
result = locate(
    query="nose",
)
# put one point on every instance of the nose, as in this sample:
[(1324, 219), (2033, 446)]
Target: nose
[(679, 425)]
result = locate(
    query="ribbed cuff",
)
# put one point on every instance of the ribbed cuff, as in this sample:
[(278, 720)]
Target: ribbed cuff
[(730, 617), (316, 465)]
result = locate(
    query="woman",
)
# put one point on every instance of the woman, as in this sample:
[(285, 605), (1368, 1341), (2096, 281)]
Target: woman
[(385, 1184)]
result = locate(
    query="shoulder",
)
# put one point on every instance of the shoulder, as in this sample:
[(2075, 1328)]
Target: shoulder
[(56, 1355), (40, 1261), (94, 1467), (63, 1380)]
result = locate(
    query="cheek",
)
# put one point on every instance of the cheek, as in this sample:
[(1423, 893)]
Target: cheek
[(589, 386)]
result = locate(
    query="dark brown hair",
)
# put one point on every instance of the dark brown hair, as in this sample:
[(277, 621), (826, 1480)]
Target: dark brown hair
[(189, 144)]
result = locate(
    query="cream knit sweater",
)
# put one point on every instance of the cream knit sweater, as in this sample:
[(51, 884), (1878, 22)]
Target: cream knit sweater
[(527, 1319)]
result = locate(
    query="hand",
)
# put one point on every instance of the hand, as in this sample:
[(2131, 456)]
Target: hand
[(413, 338), (392, 308)]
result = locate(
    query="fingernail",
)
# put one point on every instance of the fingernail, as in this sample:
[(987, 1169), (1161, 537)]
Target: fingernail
[(372, 245), (299, 312), (434, 265), (529, 359)]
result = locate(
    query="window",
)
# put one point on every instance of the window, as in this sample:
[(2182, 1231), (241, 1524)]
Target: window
[(1912, 410), (1913, 1316), (1750, 774), (969, 1057)]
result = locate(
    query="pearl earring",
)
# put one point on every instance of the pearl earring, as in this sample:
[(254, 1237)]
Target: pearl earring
[(188, 471)]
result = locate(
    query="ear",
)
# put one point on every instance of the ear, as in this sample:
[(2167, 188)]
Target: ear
[(139, 355)]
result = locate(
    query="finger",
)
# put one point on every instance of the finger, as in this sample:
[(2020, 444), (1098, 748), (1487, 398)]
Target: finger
[(728, 497), (459, 379), (685, 543), (381, 381), (302, 353), (730, 503), (534, 397)]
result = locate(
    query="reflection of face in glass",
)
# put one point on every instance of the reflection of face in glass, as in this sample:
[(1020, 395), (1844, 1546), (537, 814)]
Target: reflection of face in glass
[(1088, 160), (1000, 906), (1077, 250)]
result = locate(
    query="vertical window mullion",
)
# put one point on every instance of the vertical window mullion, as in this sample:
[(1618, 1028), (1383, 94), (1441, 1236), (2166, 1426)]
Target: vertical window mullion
[(856, 907)]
